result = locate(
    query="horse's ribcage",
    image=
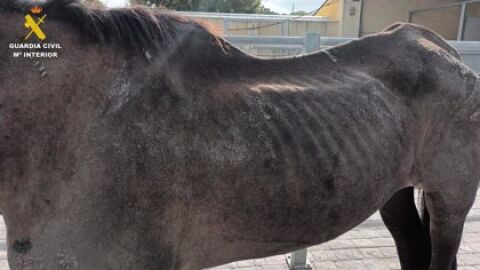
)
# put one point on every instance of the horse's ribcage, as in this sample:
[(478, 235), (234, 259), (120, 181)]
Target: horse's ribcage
[(334, 135)]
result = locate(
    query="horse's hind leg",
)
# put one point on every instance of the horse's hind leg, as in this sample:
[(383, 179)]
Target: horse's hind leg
[(411, 237), (447, 217), (449, 175)]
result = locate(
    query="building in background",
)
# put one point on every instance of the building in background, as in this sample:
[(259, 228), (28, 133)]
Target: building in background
[(337, 21), (268, 35), (229, 24), (453, 19)]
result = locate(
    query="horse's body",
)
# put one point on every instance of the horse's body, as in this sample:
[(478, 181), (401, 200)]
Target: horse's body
[(193, 154)]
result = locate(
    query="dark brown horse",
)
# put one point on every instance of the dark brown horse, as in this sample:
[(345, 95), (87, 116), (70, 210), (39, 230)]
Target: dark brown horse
[(151, 143)]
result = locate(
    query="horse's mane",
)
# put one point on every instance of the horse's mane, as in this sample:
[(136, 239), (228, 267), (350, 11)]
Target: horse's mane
[(133, 28)]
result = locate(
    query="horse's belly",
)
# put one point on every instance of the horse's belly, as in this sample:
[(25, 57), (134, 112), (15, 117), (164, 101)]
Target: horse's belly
[(288, 197)]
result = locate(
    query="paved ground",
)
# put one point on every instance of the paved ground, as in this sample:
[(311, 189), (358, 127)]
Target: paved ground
[(369, 246)]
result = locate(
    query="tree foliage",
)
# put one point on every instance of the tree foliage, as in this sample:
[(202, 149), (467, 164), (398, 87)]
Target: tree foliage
[(299, 13), (94, 3), (229, 6), (265, 10)]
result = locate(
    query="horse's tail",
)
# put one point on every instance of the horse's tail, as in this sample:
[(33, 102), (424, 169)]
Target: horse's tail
[(424, 215)]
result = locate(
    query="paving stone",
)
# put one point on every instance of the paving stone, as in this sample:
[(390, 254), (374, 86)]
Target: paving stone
[(338, 244), (320, 247), (470, 259), (474, 245), (326, 255), (324, 266), (388, 252), (373, 253), (364, 242), (466, 248), (246, 263), (374, 234), (276, 259), (349, 265), (471, 237), (381, 264), (472, 226), (275, 266), (383, 242), (229, 266), (376, 216), (348, 254), (259, 261), (250, 268)]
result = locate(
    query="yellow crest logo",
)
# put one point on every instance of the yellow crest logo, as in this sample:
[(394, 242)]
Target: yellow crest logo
[(34, 25), (36, 10)]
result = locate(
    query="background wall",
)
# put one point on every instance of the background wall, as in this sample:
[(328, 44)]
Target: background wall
[(377, 14), (362, 17)]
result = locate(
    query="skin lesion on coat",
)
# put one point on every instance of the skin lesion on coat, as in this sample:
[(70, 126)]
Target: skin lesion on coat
[(22, 246)]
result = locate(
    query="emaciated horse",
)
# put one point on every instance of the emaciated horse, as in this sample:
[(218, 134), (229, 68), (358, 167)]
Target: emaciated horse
[(151, 143)]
